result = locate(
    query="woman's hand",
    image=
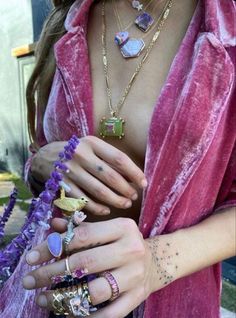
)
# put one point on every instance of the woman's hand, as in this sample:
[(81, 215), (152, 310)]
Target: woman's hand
[(115, 245), (97, 168)]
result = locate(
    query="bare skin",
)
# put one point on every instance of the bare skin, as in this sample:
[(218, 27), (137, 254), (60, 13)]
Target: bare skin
[(138, 108), (159, 260)]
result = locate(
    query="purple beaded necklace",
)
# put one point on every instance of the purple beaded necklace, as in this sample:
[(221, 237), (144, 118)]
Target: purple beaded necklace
[(39, 214)]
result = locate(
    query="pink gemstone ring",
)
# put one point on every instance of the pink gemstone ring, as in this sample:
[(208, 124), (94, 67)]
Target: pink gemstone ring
[(115, 292)]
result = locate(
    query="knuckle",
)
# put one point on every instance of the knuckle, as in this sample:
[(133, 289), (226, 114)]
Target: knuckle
[(82, 233), (128, 224), (86, 261), (120, 159), (89, 139), (136, 248), (111, 177), (100, 193)]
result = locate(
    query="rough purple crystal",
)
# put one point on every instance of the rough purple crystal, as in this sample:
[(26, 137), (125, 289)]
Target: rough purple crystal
[(144, 21), (54, 242)]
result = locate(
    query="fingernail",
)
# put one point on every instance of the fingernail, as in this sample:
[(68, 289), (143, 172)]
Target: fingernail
[(32, 257), (128, 204), (134, 196), (42, 301), (144, 183), (65, 186), (29, 282)]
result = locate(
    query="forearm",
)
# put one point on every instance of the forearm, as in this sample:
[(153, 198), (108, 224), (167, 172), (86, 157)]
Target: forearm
[(192, 249)]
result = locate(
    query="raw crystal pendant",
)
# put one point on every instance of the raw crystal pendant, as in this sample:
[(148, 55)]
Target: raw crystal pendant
[(144, 21), (112, 127), (129, 47)]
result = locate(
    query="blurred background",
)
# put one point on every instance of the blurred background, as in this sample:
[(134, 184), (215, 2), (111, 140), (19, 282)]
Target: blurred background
[(20, 26)]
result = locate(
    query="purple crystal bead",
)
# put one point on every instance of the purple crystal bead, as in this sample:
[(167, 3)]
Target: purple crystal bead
[(54, 242), (144, 21)]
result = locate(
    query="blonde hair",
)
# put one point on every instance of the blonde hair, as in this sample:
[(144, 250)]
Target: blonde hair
[(40, 82)]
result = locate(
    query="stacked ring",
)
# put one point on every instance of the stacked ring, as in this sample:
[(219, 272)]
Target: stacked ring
[(115, 292), (57, 303), (73, 300)]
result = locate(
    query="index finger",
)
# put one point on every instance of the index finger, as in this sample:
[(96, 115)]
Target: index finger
[(119, 160), (87, 235)]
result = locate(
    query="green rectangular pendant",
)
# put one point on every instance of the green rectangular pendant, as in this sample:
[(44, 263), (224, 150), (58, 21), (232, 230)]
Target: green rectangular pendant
[(112, 127)]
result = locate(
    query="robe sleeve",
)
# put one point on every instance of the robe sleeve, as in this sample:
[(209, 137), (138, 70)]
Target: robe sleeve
[(227, 195)]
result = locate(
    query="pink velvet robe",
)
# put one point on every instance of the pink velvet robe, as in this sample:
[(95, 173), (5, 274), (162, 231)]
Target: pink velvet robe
[(191, 152)]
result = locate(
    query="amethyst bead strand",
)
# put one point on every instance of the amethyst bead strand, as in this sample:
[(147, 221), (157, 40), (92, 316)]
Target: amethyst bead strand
[(7, 211), (39, 214)]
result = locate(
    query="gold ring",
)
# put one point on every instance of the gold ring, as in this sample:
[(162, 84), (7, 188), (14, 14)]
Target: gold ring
[(57, 303)]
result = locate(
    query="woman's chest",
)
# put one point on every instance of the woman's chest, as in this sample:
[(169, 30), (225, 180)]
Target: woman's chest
[(145, 90)]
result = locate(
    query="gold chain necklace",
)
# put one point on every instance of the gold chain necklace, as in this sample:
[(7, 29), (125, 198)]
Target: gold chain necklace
[(118, 19), (114, 126), (122, 28)]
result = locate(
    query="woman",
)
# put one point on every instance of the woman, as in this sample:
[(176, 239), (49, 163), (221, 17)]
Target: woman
[(185, 146)]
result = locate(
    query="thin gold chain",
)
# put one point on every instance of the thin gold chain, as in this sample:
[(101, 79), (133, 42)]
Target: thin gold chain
[(119, 105), (120, 26), (118, 19)]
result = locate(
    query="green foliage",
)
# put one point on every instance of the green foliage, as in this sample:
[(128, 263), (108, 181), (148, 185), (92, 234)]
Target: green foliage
[(228, 300)]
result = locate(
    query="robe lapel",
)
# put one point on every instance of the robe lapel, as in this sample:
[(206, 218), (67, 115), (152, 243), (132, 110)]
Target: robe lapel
[(184, 124), (72, 59)]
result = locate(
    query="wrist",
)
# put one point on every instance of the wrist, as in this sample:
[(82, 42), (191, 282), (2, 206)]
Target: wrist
[(166, 259)]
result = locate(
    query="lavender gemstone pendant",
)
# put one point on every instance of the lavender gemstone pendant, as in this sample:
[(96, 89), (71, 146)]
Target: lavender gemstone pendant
[(129, 47), (54, 242), (144, 21)]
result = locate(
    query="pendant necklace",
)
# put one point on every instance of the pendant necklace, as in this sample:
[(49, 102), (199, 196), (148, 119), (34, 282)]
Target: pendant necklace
[(144, 21), (114, 125), (130, 47)]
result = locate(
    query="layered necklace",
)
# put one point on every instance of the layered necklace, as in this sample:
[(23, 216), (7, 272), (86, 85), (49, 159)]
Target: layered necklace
[(114, 125), (132, 47)]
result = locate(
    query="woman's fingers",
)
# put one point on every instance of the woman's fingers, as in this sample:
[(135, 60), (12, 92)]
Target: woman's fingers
[(59, 225), (117, 159), (99, 289), (98, 190), (121, 307), (92, 207), (87, 235), (89, 260), (102, 171)]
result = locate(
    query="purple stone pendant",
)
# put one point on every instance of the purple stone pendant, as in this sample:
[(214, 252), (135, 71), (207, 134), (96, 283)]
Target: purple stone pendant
[(54, 242), (144, 21), (129, 47)]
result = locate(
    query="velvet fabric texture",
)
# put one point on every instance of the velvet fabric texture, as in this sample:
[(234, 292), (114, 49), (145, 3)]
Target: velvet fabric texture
[(190, 159)]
